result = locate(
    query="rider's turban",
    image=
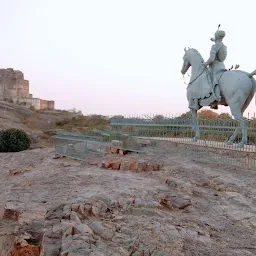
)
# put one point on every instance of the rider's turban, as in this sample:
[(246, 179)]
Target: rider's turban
[(219, 34)]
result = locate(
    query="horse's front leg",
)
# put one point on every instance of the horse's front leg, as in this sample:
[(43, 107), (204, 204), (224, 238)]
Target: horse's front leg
[(195, 126), (233, 137)]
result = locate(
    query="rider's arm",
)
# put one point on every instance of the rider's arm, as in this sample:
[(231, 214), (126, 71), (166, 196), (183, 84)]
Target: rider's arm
[(212, 57)]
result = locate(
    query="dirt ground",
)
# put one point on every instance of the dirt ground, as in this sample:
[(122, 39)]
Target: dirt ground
[(220, 221)]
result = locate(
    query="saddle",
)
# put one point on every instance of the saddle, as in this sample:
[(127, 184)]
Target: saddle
[(202, 92)]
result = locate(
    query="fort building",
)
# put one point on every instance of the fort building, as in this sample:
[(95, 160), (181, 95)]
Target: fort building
[(14, 88)]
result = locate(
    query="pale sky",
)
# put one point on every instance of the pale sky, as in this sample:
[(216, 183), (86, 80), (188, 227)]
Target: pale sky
[(116, 56)]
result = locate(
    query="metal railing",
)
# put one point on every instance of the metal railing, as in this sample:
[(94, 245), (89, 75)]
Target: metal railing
[(165, 135), (174, 134), (80, 146)]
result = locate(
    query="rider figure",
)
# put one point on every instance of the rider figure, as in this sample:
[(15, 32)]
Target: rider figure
[(216, 65)]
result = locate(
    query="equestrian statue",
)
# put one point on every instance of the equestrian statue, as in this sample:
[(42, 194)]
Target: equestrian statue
[(211, 84)]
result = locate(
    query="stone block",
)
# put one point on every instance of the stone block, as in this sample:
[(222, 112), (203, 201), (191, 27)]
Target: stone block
[(133, 166), (9, 214), (117, 143), (123, 152), (124, 165)]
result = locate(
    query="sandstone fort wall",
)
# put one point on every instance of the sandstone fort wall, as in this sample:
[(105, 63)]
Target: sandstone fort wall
[(13, 87)]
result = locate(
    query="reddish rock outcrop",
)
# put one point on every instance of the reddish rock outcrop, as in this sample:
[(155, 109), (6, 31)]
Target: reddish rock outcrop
[(21, 250), (130, 164)]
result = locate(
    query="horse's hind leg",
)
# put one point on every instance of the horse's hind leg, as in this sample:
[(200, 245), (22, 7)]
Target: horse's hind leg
[(238, 115), (195, 126), (246, 104), (233, 136)]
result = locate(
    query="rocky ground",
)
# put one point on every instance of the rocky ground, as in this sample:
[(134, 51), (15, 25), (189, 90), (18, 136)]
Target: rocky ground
[(38, 125), (180, 208)]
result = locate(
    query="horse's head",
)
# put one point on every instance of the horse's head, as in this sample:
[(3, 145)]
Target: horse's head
[(186, 61)]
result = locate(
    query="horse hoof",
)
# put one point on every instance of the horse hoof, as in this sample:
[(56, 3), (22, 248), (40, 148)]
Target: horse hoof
[(194, 139), (240, 145)]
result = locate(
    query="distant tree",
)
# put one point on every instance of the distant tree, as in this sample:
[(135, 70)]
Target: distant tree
[(158, 117), (225, 116), (207, 114), (117, 117), (186, 115)]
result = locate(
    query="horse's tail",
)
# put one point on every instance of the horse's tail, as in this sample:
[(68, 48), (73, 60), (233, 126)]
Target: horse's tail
[(252, 74)]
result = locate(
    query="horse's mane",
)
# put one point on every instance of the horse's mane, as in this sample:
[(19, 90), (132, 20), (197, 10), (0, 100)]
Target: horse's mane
[(196, 51)]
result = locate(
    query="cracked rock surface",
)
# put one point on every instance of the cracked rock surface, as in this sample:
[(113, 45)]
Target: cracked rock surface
[(68, 207)]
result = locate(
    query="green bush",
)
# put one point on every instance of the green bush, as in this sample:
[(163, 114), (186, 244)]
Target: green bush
[(1, 144), (13, 140)]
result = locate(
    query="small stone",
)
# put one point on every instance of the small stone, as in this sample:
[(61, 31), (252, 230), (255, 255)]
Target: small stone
[(22, 242), (124, 165), (69, 232), (9, 214), (98, 208), (93, 163), (66, 211), (181, 203), (105, 164), (87, 209), (154, 167), (115, 164), (114, 150), (165, 203), (142, 166), (24, 184), (15, 171), (82, 229), (146, 212), (75, 207), (118, 218), (97, 228), (133, 165), (123, 152), (171, 183), (81, 209), (65, 224), (73, 216)]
